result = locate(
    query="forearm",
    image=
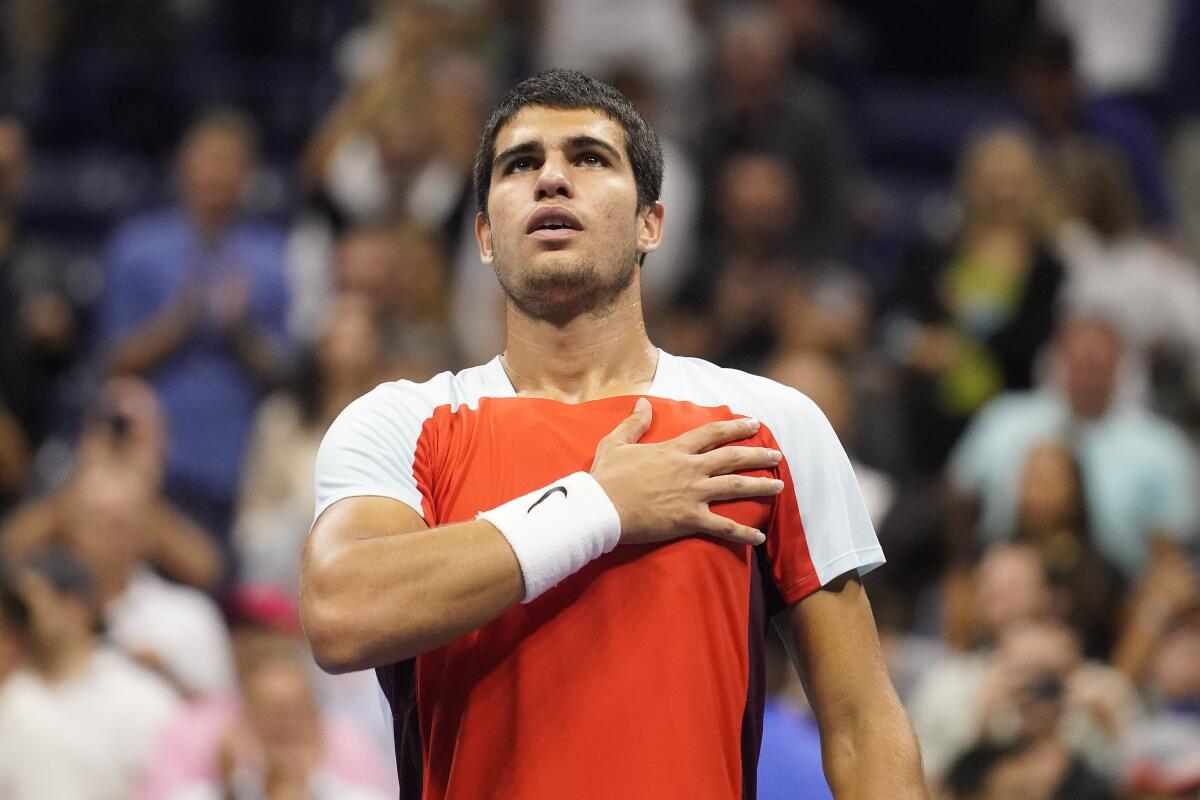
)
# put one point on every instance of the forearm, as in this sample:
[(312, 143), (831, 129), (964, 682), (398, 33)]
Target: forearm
[(151, 344), (183, 550), (875, 757), (375, 599), (260, 354)]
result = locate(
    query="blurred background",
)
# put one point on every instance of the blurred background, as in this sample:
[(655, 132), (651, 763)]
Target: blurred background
[(968, 229)]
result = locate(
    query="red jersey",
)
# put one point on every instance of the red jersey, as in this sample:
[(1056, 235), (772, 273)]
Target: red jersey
[(641, 675)]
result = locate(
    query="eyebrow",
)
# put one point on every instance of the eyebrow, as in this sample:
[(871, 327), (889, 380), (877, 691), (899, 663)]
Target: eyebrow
[(573, 143)]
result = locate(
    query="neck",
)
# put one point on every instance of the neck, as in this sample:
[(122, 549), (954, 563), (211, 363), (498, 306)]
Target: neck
[(588, 358), (210, 224), (66, 661)]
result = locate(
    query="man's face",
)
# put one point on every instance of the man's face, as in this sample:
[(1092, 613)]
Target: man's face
[(564, 230), (215, 166), (1091, 353)]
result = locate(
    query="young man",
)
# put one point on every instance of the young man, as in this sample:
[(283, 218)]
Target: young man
[(467, 532)]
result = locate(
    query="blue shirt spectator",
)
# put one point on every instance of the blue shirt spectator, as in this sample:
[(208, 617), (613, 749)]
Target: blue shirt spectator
[(1139, 470), (196, 300)]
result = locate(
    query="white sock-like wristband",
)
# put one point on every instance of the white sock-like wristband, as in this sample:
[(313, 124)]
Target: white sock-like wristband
[(557, 529)]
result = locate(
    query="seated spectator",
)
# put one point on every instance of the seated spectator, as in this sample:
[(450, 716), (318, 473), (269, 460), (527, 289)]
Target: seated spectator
[(276, 504), (1052, 516), (975, 696), (968, 315), (758, 104), (1116, 268), (176, 630), (83, 721), (399, 272), (1139, 470), (124, 430), (1046, 85), (195, 301), (1007, 587), (39, 321), (198, 752)]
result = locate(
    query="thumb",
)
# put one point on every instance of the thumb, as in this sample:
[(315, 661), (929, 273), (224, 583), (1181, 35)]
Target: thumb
[(634, 426)]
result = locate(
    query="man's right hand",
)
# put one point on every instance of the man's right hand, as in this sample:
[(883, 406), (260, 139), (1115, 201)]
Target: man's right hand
[(662, 491)]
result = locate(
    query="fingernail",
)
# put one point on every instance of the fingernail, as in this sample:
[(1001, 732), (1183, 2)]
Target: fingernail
[(641, 405), (752, 425), (762, 537), (777, 485), (775, 455)]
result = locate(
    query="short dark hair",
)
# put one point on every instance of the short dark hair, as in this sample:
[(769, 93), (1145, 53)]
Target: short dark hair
[(569, 90)]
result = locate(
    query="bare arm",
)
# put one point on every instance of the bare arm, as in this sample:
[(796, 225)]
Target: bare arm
[(377, 586), (182, 549), (867, 741), (157, 339)]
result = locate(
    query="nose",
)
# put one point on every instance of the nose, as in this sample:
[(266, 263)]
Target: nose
[(553, 180)]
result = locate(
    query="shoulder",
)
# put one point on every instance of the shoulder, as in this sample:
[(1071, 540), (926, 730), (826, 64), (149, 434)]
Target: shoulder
[(776, 405), (402, 404)]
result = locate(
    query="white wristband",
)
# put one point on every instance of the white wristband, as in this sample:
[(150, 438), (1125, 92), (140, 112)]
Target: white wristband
[(557, 529)]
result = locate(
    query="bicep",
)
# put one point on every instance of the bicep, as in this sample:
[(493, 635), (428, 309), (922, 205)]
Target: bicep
[(354, 519), (832, 638)]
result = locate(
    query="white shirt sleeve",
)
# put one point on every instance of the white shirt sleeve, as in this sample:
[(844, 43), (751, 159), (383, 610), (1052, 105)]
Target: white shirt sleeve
[(371, 448)]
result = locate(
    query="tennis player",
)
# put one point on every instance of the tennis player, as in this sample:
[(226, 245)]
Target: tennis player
[(562, 563)]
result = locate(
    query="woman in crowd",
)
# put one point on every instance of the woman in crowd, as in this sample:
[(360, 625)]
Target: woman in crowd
[(968, 314)]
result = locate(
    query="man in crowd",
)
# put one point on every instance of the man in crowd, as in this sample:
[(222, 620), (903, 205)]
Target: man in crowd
[(195, 301)]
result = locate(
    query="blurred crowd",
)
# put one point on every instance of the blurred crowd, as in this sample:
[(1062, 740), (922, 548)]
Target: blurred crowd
[(968, 230)]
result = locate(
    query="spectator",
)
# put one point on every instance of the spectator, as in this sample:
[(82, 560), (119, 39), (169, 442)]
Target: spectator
[(399, 272), (177, 631), (86, 716), (1008, 587), (1139, 470), (1036, 689), (1047, 89), (197, 754), (195, 301), (1118, 270), (124, 430), (276, 504), (968, 315), (759, 105), (1052, 516), (39, 321)]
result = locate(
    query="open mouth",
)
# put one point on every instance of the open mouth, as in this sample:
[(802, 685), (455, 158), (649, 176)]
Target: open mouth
[(553, 224)]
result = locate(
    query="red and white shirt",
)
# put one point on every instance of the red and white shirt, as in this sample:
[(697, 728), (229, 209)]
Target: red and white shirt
[(641, 675)]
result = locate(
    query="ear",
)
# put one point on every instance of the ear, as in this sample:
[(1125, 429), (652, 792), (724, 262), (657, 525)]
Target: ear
[(650, 227), (483, 235)]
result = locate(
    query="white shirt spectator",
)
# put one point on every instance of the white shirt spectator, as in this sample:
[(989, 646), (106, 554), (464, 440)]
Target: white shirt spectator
[(88, 737), (179, 626)]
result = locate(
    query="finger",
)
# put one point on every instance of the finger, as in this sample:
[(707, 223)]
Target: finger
[(633, 427), (735, 487), (714, 434), (725, 528), (735, 458)]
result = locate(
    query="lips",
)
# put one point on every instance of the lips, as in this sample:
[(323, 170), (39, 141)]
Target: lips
[(553, 224)]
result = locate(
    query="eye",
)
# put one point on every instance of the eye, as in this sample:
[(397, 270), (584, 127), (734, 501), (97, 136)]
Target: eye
[(519, 164), (592, 160)]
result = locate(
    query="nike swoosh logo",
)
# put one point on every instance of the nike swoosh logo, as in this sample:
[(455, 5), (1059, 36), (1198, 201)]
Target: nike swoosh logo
[(546, 494)]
